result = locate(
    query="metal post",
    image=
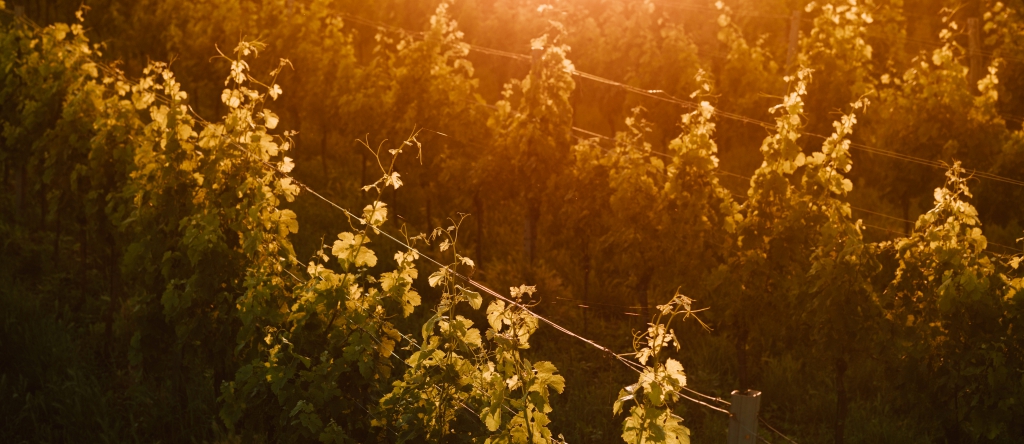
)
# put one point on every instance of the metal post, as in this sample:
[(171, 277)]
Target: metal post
[(794, 38), (743, 417), (535, 55), (532, 214), (974, 36)]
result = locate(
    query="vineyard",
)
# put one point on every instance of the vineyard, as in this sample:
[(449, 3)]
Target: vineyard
[(512, 221)]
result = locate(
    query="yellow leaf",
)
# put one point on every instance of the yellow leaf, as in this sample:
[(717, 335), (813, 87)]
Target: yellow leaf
[(410, 300), (375, 214), (351, 248), (675, 371), (271, 119), (436, 278)]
